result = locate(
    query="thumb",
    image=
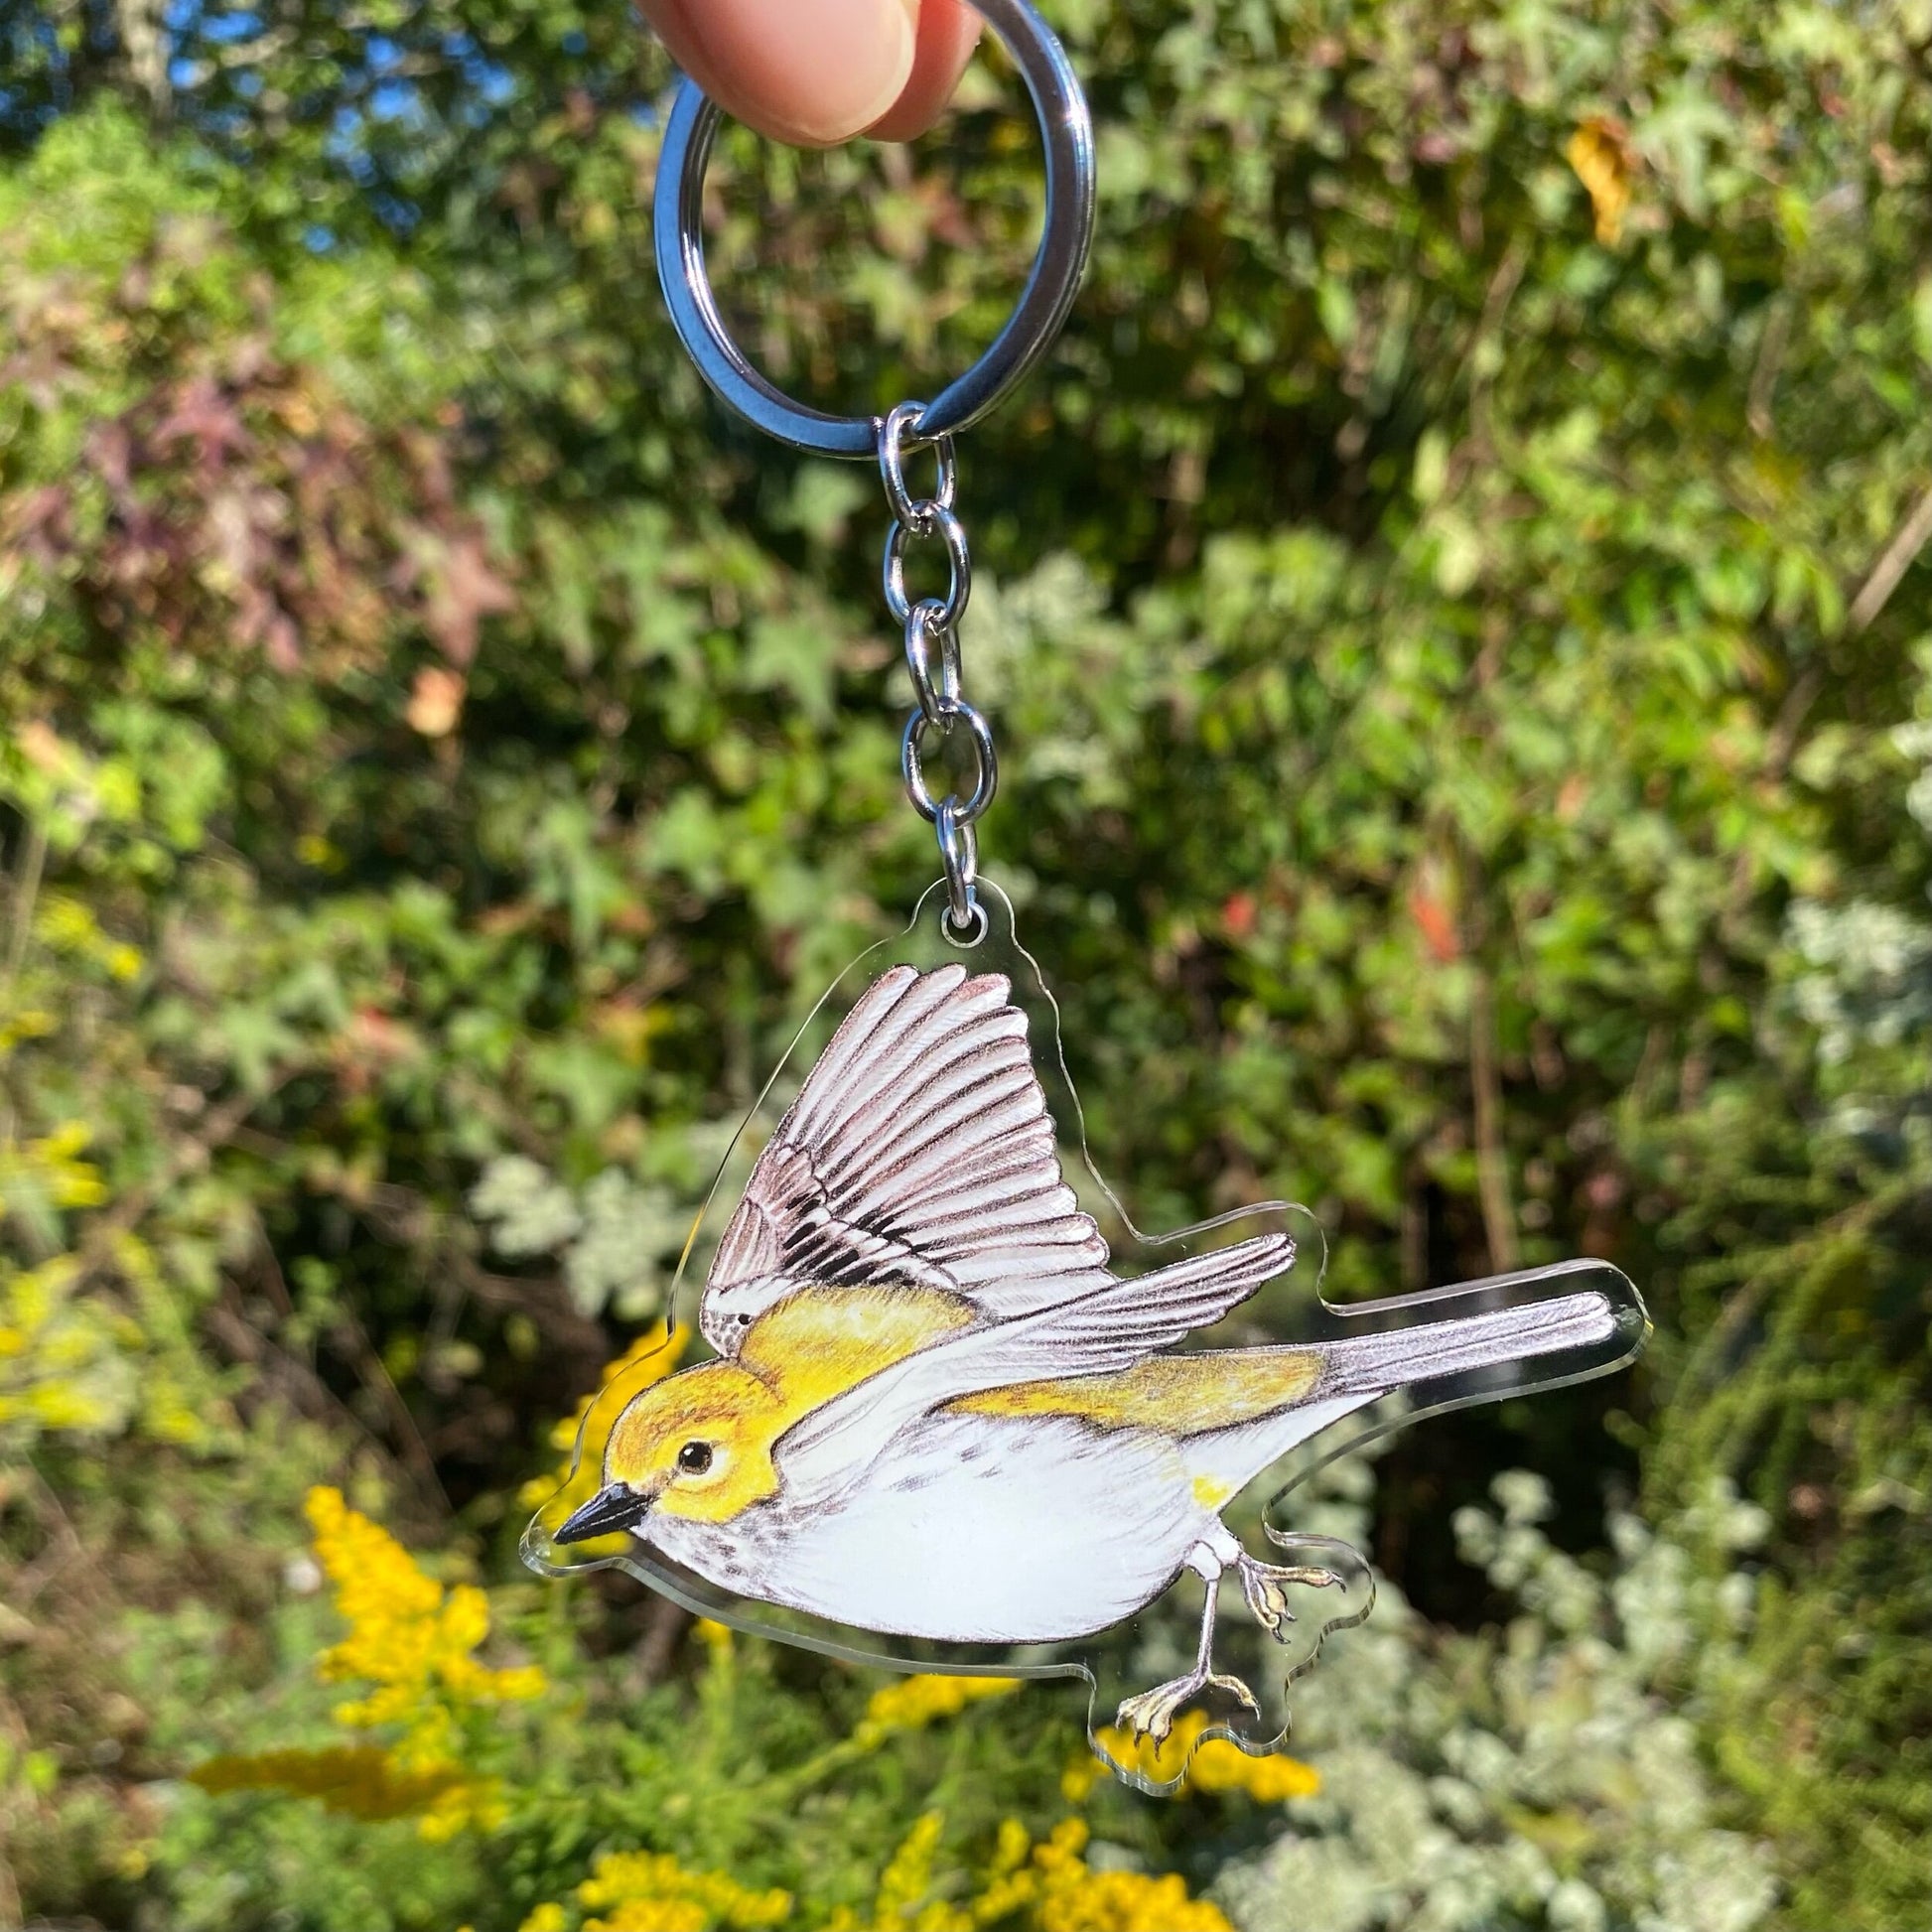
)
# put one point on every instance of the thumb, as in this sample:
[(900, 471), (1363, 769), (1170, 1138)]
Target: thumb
[(818, 72)]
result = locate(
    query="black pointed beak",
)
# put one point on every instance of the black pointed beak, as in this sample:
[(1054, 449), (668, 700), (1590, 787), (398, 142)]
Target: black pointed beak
[(610, 1510)]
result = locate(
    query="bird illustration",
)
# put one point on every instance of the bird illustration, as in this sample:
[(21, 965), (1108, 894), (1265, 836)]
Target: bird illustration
[(935, 1412)]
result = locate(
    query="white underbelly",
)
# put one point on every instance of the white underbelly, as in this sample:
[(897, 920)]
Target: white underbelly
[(971, 1529)]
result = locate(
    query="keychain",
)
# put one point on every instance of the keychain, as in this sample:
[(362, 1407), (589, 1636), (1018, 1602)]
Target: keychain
[(948, 1421)]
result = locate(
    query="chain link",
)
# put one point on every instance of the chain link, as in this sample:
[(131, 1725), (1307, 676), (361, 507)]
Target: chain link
[(959, 850), (970, 810), (922, 630), (931, 623), (913, 512), (959, 566)]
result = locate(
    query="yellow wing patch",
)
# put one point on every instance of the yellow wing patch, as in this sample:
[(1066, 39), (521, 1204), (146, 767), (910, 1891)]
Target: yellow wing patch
[(1179, 1395), (820, 1341)]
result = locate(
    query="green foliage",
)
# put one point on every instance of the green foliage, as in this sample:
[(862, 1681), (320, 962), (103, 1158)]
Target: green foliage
[(1546, 1776), (1451, 614)]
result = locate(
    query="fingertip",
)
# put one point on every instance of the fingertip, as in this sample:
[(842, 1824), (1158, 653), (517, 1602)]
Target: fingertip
[(948, 30), (813, 73)]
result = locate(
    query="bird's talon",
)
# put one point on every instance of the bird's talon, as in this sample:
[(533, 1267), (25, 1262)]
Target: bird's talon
[(1151, 1714), (1264, 1585), (1235, 1688)]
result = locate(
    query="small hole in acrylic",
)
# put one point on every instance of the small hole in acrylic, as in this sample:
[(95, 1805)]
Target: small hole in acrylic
[(965, 937)]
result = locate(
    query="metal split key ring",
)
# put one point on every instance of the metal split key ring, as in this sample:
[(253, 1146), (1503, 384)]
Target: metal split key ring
[(1066, 129), (931, 624)]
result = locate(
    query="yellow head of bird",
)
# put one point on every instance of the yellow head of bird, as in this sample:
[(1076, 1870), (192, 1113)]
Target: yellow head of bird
[(697, 1445)]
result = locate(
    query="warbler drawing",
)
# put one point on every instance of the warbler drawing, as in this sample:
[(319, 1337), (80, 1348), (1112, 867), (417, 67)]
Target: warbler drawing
[(935, 1412)]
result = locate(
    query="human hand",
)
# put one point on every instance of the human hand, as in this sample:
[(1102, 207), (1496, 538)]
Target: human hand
[(818, 72)]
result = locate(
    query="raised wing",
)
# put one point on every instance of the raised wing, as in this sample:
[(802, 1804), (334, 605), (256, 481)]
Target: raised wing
[(919, 1153), (1102, 1333)]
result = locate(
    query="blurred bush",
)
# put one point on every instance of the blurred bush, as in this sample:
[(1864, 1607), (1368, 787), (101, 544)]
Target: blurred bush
[(1452, 611)]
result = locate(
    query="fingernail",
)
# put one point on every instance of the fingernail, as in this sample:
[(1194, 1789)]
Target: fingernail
[(810, 71)]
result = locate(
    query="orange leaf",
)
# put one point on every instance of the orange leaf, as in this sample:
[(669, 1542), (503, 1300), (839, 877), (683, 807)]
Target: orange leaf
[(1599, 152)]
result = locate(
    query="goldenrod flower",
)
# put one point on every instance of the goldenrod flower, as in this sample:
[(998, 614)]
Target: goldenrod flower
[(914, 1702), (359, 1780), (64, 1355), (26, 1022), (65, 926), (655, 1915), (908, 1876), (51, 1169), (649, 1892), (1075, 1899), (1056, 1888), (1217, 1765), (411, 1638), (648, 1359), (408, 1635)]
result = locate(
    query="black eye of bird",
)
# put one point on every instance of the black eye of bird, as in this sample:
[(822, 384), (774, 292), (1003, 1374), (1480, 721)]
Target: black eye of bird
[(694, 1459)]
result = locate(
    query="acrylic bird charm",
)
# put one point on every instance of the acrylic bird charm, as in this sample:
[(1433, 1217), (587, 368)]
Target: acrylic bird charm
[(935, 1412)]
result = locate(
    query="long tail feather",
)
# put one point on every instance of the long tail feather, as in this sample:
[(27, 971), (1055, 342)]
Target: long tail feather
[(1367, 1364)]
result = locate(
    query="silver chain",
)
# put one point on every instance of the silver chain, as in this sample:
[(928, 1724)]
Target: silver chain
[(932, 656)]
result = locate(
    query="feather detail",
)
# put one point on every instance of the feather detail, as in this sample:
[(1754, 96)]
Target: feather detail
[(1110, 1329), (919, 1151), (1431, 1350)]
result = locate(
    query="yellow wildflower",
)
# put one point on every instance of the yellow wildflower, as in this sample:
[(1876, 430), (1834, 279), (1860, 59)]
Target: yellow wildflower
[(1008, 1883), (914, 1702), (51, 1169), (908, 1876), (65, 926), (901, 1903), (1221, 1767), (27, 1022), (548, 1917), (715, 1638), (1056, 1888), (408, 1636), (654, 1348), (649, 1892), (65, 1356), (359, 1780), (1073, 1897), (410, 1639), (648, 1359), (1216, 1765), (472, 1805), (653, 1915)]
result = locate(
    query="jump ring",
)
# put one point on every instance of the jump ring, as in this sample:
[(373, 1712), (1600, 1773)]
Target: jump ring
[(959, 582), (1067, 130), (921, 626), (915, 512), (959, 854), (913, 763)]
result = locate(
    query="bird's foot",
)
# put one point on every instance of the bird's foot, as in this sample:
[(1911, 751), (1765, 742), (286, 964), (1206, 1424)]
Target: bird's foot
[(1151, 1714), (1265, 1585)]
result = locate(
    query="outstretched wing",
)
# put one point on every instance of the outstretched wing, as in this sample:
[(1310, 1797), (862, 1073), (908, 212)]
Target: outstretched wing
[(919, 1151), (1106, 1331)]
